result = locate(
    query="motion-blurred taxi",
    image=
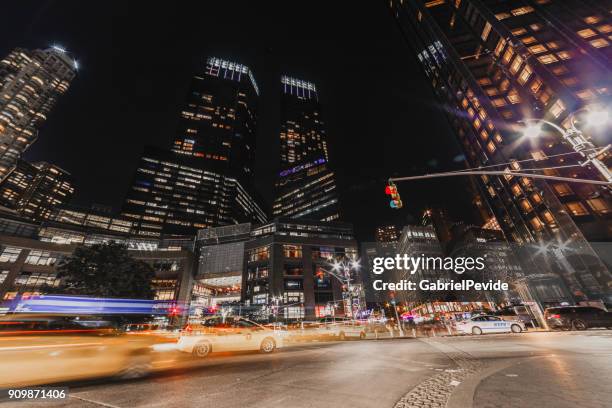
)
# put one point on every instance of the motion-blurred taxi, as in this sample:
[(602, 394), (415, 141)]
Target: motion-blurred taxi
[(228, 333), (38, 349)]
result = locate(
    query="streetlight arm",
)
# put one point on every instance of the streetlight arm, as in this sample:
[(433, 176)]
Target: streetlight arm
[(548, 122), (502, 173)]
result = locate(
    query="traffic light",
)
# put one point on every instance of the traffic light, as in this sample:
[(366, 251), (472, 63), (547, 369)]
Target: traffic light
[(391, 190)]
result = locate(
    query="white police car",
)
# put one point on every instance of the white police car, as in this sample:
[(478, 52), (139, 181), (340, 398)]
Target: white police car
[(489, 324)]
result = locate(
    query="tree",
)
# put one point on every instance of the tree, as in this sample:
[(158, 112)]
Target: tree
[(106, 270)]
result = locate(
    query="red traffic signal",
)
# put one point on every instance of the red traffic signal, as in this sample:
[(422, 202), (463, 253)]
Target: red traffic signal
[(391, 190)]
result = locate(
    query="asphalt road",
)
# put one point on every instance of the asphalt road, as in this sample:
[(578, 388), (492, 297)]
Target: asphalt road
[(565, 369)]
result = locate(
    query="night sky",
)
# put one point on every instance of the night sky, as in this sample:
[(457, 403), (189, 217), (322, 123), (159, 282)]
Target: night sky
[(137, 58)]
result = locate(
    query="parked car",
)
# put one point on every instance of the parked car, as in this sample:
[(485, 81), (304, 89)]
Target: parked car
[(519, 312), (489, 324), (42, 349), (228, 333), (577, 317)]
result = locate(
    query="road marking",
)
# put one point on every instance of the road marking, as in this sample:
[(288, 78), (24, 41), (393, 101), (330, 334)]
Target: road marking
[(102, 404)]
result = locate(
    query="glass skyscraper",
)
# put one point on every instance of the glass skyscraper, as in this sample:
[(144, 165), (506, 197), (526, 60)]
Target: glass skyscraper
[(30, 83), (493, 64), (205, 179), (306, 186)]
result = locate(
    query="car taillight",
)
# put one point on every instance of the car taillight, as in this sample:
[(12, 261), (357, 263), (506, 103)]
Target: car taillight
[(555, 316)]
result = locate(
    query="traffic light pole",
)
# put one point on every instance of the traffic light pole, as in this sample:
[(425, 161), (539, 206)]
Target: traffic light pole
[(500, 173)]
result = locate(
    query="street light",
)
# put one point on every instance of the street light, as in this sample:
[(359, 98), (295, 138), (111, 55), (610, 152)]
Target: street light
[(575, 137), (341, 270)]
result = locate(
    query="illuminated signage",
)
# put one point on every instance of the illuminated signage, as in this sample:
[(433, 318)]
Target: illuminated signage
[(301, 167)]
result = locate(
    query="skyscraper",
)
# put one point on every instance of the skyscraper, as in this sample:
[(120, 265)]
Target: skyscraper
[(30, 83), (205, 179), (219, 118), (35, 189), (494, 64), (306, 187)]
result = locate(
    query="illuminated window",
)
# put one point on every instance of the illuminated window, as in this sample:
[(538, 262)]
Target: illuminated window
[(522, 10), (498, 138), (577, 208), (592, 19), (516, 190), (500, 46), (599, 43), (485, 32), (259, 254), (537, 49), (548, 217), (526, 206), (292, 251), (504, 85), (513, 96), (528, 40), (502, 16), (491, 147), (484, 81), (536, 223), (606, 28), (477, 123), (553, 45), (508, 55), (519, 31), (535, 26), (526, 182), (492, 91), (516, 64), (498, 102), (586, 33), (599, 205), (525, 75), (563, 189), (9, 254), (535, 86), (547, 59), (564, 55), (557, 109), (482, 113), (536, 198), (484, 135)]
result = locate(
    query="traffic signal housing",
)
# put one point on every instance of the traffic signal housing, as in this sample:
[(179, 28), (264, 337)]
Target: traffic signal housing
[(391, 190)]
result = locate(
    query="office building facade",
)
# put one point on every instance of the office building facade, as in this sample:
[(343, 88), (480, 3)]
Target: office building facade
[(30, 83), (494, 64), (173, 194), (306, 186), (35, 190), (286, 267)]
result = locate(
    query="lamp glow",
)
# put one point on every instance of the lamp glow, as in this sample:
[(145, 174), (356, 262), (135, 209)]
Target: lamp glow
[(597, 118), (532, 130)]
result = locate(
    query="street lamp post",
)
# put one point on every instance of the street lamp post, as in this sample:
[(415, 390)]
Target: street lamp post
[(575, 138), (342, 272)]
